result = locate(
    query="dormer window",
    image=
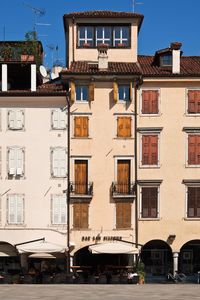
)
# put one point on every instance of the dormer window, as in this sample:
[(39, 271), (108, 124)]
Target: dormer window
[(90, 36), (166, 60)]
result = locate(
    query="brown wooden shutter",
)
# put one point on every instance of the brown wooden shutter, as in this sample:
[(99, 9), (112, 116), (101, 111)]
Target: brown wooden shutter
[(149, 202), (198, 202), (153, 149), (123, 215), (81, 176), (91, 91), (150, 102), (123, 176), (80, 215), (191, 149), (124, 127), (198, 149), (145, 150), (194, 101), (73, 91), (131, 92), (191, 202), (81, 128), (115, 91)]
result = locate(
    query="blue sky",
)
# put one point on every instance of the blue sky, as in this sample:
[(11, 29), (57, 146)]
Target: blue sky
[(164, 21)]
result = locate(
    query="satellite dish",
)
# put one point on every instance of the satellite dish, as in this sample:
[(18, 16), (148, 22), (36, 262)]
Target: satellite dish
[(43, 71), (54, 76)]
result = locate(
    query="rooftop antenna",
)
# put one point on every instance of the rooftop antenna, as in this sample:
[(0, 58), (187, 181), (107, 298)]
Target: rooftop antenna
[(134, 3), (38, 12)]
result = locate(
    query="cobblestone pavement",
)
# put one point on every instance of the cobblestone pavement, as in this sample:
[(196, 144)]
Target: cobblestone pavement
[(103, 292)]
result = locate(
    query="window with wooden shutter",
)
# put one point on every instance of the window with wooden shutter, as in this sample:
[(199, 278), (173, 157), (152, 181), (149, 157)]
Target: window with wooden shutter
[(193, 202), (150, 101), (72, 91), (59, 119), (149, 202), (81, 177), (80, 215), (82, 93), (194, 101), (123, 176), (150, 149), (115, 91), (15, 161), (124, 127), (194, 149), (59, 162), (59, 207), (15, 119), (15, 209), (81, 127), (91, 91), (123, 215)]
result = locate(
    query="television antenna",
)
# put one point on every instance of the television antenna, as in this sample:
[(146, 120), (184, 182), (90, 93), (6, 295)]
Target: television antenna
[(134, 3)]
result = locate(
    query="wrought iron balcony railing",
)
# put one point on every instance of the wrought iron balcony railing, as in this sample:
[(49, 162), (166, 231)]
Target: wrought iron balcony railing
[(79, 189), (126, 190)]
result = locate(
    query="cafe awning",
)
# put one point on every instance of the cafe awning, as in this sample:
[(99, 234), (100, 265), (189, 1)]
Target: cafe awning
[(42, 255), (41, 247), (113, 248)]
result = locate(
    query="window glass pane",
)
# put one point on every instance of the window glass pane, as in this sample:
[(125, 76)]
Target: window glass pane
[(166, 60), (82, 93), (82, 32), (125, 32), (107, 32), (85, 93), (78, 93), (90, 31), (124, 93), (99, 32), (117, 32)]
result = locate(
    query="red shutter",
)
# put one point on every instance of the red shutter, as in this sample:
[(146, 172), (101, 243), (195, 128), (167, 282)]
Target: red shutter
[(198, 202), (150, 102), (191, 102), (145, 203), (145, 150), (149, 202), (194, 149), (153, 149), (191, 202)]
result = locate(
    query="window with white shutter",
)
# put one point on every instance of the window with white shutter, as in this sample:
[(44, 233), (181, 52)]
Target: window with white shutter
[(15, 209), (15, 161), (59, 120), (59, 209), (15, 119), (59, 162)]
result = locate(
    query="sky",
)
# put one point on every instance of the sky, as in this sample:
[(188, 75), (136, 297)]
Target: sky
[(165, 21)]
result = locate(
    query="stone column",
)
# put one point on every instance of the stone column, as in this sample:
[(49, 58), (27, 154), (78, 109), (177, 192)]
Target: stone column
[(175, 262)]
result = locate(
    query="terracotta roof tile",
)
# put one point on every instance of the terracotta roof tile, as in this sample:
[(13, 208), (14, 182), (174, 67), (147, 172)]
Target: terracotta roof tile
[(103, 14)]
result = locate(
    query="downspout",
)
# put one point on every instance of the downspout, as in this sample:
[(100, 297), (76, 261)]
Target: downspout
[(73, 55), (137, 84)]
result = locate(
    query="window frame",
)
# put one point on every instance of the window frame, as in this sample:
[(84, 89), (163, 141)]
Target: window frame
[(150, 132), (187, 185), (81, 87), (88, 115), (164, 64), (149, 185), (103, 36), (131, 219), (85, 39), (112, 26), (131, 126), (124, 86), (62, 196), (22, 196), (196, 132), (141, 102)]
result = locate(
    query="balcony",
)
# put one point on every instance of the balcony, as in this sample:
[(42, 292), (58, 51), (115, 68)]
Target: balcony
[(123, 190), (81, 190)]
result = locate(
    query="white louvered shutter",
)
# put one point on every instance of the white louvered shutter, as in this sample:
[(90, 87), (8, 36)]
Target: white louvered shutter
[(59, 209), (63, 212), (62, 119), (11, 209), (55, 119), (55, 209), (11, 161), (59, 162), (19, 161), (11, 119), (19, 119), (59, 119), (19, 209)]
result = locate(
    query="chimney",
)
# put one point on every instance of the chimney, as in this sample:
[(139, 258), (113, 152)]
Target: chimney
[(176, 57), (102, 57)]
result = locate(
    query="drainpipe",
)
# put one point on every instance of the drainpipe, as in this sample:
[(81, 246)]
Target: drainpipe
[(137, 84), (73, 22)]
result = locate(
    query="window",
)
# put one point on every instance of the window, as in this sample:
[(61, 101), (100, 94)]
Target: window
[(150, 149), (81, 93), (123, 176), (81, 127), (114, 36), (121, 36), (193, 202), (81, 177), (15, 209), (15, 119), (86, 36), (193, 101), (80, 215), (150, 101), (124, 92), (59, 213), (103, 35), (193, 149), (123, 127), (149, 202), (166, 60), (58, 119), (15, 161), (59, 162), (123, 215)]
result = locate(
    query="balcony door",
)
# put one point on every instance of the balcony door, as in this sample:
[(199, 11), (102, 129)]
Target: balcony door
[(81, 176), (123, 176)]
